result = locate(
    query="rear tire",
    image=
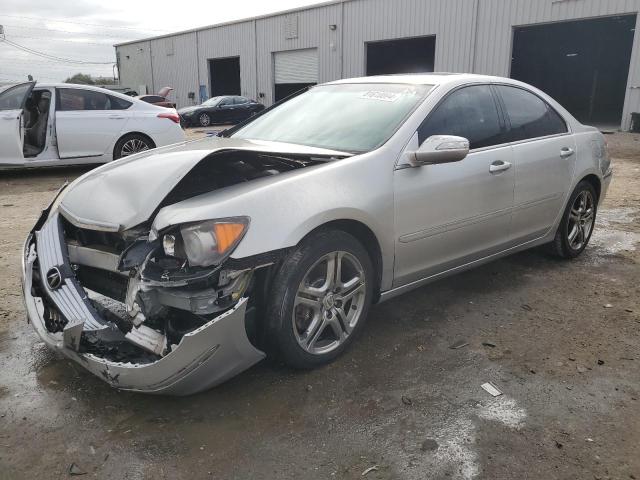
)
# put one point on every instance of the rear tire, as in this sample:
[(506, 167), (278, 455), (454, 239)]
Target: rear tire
[(319, 300), (577, 223), (131, 144)]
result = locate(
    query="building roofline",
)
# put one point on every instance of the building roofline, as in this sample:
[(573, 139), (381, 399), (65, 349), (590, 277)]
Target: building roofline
[(235, 22)]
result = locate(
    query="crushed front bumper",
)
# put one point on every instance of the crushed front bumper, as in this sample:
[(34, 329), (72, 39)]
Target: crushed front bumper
[(205, 357)]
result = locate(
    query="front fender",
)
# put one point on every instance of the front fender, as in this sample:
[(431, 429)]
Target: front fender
[(283, 209)]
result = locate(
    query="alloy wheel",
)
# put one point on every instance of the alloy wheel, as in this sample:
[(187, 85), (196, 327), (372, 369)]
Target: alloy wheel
[(204, 120), (581, 220), (329, 303), (134, 145)]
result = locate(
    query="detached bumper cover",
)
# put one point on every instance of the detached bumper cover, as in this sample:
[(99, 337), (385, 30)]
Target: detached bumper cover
[(205, 357)]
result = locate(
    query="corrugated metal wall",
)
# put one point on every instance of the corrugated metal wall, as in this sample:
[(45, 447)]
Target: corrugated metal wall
[(312, 32), (496, 19), (235, 40), (471, 36), (174, 62), (451, 21), (134, 64)]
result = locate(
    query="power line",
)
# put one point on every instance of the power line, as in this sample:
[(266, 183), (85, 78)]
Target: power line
[(23, 78), (43, 19), (105, 44), (52, 57), (83, 34)]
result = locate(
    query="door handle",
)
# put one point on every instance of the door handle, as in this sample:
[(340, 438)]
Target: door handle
[(116, 117), (566, 152), (499, 166)]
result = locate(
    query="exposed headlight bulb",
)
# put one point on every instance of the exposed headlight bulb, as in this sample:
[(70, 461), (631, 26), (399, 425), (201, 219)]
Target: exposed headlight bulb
[(169, 245)]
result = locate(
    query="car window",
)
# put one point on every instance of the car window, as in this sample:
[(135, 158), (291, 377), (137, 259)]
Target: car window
[(152, 99), (226, 101), (70, 99), (530, 116), (356, 117), (240, 100), (12, 98), (116, 103), (469, 112), (212, 102)]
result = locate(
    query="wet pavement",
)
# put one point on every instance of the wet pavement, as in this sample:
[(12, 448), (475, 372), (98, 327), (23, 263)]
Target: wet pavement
[(560, 339)]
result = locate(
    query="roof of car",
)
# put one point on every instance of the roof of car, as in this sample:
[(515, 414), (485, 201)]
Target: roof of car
[(435, 78)]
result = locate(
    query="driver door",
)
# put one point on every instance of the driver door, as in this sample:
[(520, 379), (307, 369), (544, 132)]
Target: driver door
[(448, 215), (226, 111), (12, 102)]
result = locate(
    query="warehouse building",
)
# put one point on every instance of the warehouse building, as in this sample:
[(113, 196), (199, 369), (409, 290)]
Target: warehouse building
[(585, 53)]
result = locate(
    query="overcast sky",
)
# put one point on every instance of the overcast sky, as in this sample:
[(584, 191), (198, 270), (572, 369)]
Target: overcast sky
[(86, 30)]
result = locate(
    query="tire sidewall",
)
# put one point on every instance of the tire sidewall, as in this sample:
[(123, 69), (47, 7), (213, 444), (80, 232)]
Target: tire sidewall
[(280, 330), (564, 225)]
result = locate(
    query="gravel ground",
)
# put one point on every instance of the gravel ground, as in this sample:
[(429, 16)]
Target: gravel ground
[(560, 339)]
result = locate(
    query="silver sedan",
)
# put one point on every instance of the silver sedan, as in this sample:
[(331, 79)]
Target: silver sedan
[(173, 270)]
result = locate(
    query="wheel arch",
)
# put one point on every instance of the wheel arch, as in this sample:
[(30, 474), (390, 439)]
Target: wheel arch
[(594, 180), (128, 134), (367, 239)]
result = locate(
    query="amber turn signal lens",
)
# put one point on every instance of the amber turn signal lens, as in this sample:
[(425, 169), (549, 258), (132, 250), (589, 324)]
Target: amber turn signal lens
[(227, 234)]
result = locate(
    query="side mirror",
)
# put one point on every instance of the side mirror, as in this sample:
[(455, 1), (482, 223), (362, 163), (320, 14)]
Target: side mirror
[(440, 149)]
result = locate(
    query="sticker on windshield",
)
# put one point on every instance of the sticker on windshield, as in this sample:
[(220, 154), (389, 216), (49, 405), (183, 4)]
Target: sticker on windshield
[(381, 96)]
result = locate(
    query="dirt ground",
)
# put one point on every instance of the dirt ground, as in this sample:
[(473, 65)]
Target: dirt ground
[(560, 339)]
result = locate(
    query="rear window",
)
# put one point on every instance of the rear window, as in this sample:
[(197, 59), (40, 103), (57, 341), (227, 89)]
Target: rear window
[(152, 99)]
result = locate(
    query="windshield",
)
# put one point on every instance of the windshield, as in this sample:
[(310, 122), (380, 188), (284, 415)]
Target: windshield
[(346, 117), (212, 102)]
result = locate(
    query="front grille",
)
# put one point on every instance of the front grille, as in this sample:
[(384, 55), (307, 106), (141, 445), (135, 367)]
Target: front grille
[(85, 237), (69, 297)]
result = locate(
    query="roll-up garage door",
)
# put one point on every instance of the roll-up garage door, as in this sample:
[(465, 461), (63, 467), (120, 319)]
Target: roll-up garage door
[(295, 70)]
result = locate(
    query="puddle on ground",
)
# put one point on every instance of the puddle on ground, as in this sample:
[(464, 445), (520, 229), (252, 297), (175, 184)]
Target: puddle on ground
[(608, 238)]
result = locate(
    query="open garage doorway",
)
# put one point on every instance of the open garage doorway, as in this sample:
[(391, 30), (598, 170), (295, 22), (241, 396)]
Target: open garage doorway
[(224, 75), (583, 64), (406, 55)]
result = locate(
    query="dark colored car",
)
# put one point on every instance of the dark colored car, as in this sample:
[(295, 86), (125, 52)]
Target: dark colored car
[(160, 99), (228, 109)]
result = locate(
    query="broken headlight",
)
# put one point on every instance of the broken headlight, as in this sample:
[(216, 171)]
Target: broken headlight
[(207, 243)]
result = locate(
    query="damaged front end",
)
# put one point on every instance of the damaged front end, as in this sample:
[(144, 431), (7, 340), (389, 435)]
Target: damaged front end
[(159, 312), (136, 319)]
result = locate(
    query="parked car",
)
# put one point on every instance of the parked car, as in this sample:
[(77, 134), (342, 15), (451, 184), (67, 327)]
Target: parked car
[(280, 235), (220, 110), (48, 124), (160, 99)]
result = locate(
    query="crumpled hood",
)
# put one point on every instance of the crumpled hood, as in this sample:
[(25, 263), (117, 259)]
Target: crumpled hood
[(125, 193)]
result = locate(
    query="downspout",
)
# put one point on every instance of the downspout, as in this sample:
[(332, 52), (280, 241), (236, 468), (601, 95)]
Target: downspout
[(474, 40), (153, 83), (342, 40), (255, 57), (197, 99)]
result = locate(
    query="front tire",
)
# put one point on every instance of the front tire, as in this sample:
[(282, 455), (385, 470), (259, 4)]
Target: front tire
[(577, 223), (320, 299)]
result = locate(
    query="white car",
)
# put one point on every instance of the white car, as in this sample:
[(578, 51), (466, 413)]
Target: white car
[(48, 124)]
